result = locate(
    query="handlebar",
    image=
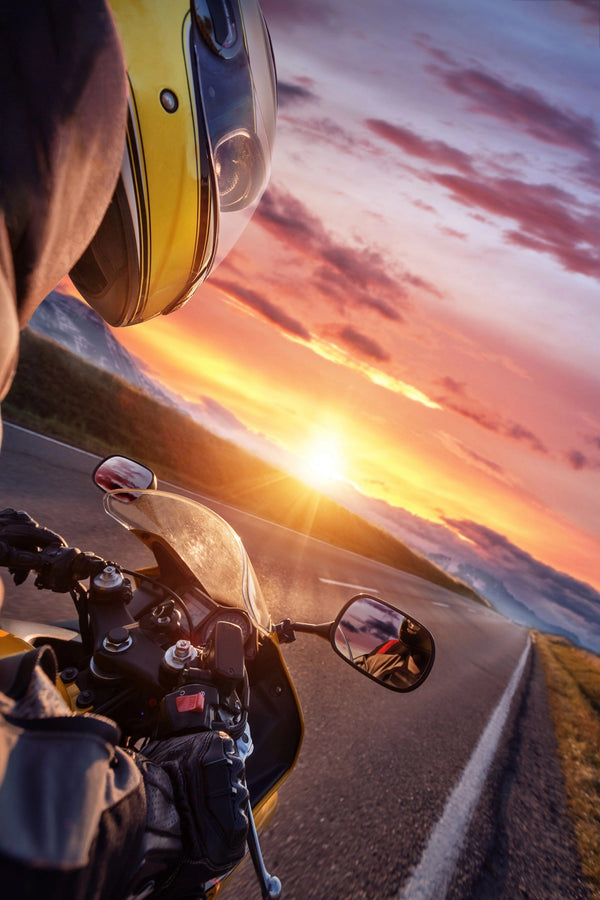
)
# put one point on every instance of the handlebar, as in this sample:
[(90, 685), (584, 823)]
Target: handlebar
[(121, 651), (59, 568)]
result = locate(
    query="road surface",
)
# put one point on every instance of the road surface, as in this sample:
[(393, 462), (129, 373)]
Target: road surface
[(450, 791)]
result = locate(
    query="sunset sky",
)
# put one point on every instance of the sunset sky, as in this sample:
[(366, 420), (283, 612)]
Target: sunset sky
[(419, 289)]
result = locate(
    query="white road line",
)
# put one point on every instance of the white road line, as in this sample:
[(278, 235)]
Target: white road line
[(51, 440), (439, 603), (431, 878), (356, 587)]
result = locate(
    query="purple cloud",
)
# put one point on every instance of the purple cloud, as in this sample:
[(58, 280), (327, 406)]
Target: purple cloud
[(490, 422), (363, 267), (579, 461), (546, 216), (291, 94), (361, 274), (452, 232), (334, 284), (573, 259), (489, 464), (265, 307), (363, 344), (329, 132), (523, 108), (589, 9), (526, 110), (437, 153), (456, 387)]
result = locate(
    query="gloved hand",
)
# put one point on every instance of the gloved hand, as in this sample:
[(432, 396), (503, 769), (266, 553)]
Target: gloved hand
[(63, 567), (197, 803), (19, 531)]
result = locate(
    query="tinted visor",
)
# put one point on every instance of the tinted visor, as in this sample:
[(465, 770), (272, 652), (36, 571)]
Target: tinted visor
[(236, 78)]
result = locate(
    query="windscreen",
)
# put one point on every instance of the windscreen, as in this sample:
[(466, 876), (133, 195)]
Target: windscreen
[(205, 542)]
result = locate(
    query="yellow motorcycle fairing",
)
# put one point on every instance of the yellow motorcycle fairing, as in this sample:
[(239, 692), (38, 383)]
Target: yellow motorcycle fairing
[(11, 644)]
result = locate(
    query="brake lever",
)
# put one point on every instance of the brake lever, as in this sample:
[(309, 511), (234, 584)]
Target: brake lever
[(270, 885)]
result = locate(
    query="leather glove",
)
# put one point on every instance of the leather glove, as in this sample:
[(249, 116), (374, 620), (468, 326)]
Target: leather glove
[(20, 532), (197, 804), (63, 567)]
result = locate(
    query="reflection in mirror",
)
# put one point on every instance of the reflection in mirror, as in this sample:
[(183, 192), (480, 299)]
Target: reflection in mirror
[(118, 472), (384, 643)]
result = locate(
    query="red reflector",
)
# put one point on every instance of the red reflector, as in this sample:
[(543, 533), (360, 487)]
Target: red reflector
[(190, 703)]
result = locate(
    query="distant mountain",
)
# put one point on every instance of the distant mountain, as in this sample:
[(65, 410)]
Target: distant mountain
[(548, 600), (75, 326), (501, 598)]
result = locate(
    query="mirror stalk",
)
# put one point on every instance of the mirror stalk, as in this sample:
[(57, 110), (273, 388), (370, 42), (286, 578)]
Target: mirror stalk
[(323, 630), (286, 630)]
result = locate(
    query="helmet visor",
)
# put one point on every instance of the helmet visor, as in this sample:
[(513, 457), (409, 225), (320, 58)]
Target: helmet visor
[(236, 75)]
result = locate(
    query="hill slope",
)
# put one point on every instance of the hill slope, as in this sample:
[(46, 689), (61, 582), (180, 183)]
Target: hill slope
[(59, 394)]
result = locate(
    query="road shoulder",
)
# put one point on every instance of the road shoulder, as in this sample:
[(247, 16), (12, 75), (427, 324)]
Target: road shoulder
[(521, 842)]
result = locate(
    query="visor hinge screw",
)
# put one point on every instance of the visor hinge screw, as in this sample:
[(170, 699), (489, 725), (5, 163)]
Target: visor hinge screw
[(168, 100)]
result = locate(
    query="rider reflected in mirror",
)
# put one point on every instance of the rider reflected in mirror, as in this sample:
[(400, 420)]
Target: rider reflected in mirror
[(117, 472), (383, 642), (402, 660)]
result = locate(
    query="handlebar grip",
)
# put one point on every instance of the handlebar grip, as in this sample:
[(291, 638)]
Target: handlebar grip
[(59, 568)]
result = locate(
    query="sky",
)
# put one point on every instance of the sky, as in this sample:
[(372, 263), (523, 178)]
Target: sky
[(417, 294)]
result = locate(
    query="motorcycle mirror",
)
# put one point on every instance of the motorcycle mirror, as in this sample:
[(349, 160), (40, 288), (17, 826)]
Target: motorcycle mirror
[(383, 643), (118, 472)]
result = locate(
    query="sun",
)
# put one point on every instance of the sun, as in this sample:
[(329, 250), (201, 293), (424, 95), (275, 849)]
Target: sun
[(322, 461)]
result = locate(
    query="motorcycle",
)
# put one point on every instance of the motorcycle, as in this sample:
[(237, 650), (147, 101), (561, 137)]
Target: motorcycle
[(188, 644)]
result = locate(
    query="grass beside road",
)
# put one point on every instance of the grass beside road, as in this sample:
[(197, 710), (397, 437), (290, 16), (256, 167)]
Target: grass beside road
[(573, 680)]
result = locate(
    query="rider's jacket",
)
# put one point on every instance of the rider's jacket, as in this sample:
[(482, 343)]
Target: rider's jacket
[(63, 109), (72, 803)]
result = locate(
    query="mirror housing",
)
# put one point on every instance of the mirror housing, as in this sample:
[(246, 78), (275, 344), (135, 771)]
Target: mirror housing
[(383, 643), (119, 472)]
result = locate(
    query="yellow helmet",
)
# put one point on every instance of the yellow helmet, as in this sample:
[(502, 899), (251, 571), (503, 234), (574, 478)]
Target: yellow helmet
[(201, 126)]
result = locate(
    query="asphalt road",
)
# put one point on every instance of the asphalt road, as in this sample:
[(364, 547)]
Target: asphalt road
[(372, 794)]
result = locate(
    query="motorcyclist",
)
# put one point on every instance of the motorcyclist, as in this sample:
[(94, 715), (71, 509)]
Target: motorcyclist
[(136, 140), (402, 660)]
